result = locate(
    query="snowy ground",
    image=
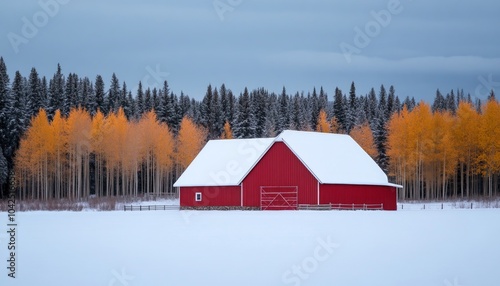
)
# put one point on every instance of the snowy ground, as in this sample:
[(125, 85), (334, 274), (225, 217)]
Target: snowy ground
[(446, 248)]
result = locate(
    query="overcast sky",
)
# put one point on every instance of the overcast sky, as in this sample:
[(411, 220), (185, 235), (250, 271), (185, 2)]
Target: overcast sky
[(417, 46)]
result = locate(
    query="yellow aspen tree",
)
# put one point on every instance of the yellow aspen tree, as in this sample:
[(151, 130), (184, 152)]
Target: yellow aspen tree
[(190, 141), (227, 133), (323, 124), (465, 134), (78, 129), (489, 142), (362, 134), (59, 156), (398, 149), (97, 132), (335, 126)]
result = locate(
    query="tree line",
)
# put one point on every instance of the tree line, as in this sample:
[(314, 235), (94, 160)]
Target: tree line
[(104, 167)]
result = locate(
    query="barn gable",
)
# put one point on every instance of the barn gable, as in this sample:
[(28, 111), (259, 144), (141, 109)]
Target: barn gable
[(223, 162)]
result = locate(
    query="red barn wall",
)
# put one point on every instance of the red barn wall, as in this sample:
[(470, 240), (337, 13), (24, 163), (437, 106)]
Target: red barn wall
[(279, 167), (358, 194), (211, 196)]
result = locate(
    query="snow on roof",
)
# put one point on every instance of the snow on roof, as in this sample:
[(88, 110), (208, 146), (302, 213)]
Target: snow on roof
[(223, 162), (331, 158), (334, 158)]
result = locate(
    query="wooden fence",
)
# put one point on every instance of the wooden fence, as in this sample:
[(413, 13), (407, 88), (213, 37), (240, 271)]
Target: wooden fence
[(151, 208), (341, 207)]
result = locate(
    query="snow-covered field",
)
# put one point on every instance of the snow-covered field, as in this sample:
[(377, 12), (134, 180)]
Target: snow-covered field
[(447, 248)]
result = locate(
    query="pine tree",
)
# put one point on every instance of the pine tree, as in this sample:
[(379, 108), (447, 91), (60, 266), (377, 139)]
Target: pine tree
[(18, 114), (244, 127), (390, 103), (439, 104), (216, 116), (451, 105), (70, 94), (371, 108), (124, 101), (113, 99), (283, 115), (352, 108), (167, 109), (140, 108), (338, 109), (148, 101), (4, 103), (56, 91), (99, 96), (35, 93), (259, 110), (205, 108), (314, 108)]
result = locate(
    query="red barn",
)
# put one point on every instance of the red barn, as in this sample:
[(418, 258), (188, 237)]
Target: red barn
[(295, 170)]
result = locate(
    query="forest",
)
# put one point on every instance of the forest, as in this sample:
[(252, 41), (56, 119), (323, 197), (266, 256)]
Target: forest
[(70, 137)]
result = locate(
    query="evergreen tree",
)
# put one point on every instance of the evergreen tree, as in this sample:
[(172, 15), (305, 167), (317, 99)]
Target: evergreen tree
[(99, 96), (258, 98), (439, 104), (491, 96), (283, 115), (176, 117), (91, 103), (216, 116), (382, 103), (148, 100), (352, 109), (297, 119), (184, 104), (244, 127), (70, 94), (35, 93), (155, 100), (338, 108), (314, 109), (372, 107), (113, 99), (140, 108), (4, 102), (19, 115), (390, 103), (224, 102), (124, 101), (132, 106), (167, 109), (380, 140), (322, 100), (451, 105), (56, 91), (205, 108)]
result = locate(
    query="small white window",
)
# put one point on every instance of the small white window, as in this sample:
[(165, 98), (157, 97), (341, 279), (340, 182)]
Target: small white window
[(198, 197)]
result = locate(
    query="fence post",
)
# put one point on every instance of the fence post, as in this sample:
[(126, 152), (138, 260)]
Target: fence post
[(470, 205), (441, 205), (140, 208)]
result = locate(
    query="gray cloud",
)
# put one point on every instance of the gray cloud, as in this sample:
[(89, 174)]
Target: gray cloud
[(428, 45)]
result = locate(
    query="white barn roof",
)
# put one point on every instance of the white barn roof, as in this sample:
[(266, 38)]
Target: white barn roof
[(223, 162), (331, 158)]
